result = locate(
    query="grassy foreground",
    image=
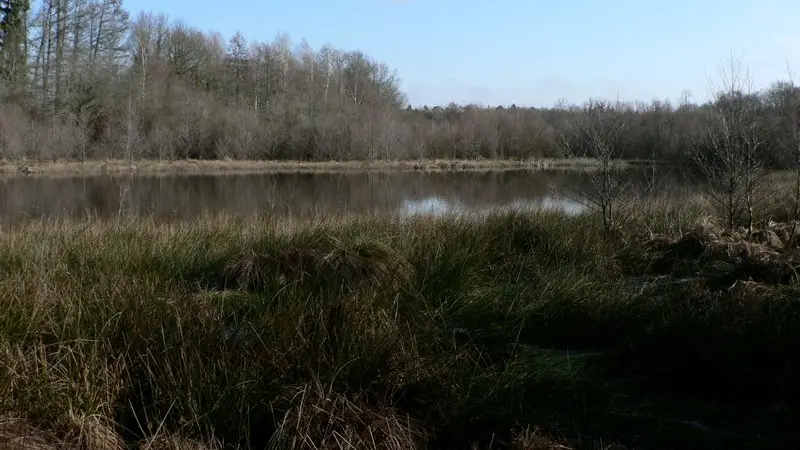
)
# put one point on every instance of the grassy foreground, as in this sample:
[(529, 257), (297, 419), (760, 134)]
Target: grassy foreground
[(512, 331), (91, 167)]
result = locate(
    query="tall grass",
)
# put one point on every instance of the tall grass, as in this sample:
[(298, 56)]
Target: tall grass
[(512, 330)]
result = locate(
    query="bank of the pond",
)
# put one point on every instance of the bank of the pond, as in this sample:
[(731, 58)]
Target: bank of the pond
[(526, 331), (149, 166)]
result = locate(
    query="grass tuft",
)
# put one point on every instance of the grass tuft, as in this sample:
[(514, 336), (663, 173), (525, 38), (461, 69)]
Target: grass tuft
[(92, 432), (18, 434), (537, 439), (379, 332), (329, 262), (176, 442), (319, 418)]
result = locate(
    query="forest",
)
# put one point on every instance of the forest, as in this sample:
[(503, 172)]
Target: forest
[(86, 79)]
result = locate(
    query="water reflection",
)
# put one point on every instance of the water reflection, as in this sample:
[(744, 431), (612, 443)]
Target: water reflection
[(429, 206), (185, 196), (438, 206)]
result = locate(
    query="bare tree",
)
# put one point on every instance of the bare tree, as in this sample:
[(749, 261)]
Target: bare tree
[(597, 135), (176, 89), (141, 46), (729, 157), (786, 99)]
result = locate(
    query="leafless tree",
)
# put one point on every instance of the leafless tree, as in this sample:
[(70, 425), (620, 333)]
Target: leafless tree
[(785, 97), (597, 135), (93, 77), (729, 157)]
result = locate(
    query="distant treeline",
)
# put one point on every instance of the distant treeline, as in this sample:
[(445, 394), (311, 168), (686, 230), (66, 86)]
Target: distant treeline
[(84, 79)]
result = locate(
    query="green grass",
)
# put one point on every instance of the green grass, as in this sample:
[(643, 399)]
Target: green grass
[(508, 331)]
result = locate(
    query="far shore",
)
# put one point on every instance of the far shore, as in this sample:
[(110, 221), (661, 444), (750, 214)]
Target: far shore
[(148, 166)]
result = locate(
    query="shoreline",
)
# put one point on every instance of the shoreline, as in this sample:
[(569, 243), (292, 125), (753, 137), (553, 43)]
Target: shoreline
[(192, 166)]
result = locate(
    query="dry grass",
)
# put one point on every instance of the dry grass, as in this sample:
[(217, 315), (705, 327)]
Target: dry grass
[(77, 432), (769, 254), (321, 419), (366, 332), (537, 439), (258, 166), (177, 442), (93, 433), (330, 261), (86, 433), (17, 434)]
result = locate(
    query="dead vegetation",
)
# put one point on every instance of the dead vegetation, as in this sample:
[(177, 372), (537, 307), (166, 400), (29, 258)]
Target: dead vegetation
[(177, 442), (120, 325), (537, 439), (93, 433), (319, 418), (769, 254), (87, 433), (185, 166), (333, 261), (18, 434), (77, 433)]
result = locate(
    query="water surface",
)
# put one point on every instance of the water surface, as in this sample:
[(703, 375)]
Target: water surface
[(170, 197)]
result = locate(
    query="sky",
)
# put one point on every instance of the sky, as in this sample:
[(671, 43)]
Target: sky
[(528, 52)]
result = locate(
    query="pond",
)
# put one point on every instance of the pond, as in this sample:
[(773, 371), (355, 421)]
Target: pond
[(171, 197)]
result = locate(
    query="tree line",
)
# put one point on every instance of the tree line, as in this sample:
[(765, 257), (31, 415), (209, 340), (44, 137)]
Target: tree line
[(84, 79)]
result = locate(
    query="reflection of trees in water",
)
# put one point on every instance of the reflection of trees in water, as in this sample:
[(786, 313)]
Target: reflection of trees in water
[(280, 194)]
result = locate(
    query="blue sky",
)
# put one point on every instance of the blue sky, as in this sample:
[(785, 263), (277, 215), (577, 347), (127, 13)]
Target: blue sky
[(528, 52)]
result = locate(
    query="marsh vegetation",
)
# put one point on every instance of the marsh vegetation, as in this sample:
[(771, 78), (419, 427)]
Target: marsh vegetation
[(512, 330)]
